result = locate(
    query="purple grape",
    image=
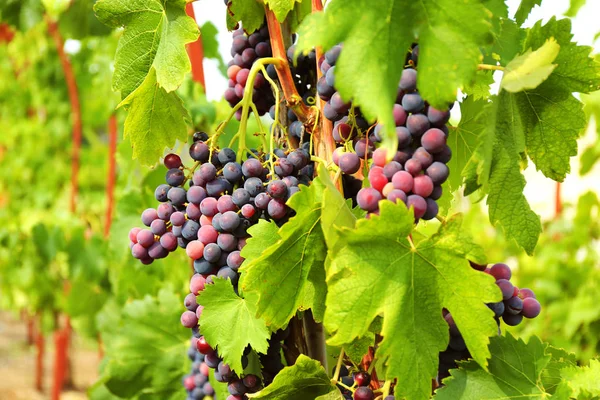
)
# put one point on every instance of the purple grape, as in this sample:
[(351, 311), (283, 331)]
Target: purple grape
[(175, 177), (433, 140), (252, 168), (177, 196), (277, 208), (501, 271), (418, 203), (413, 102), (158, 227), (437, 117), (512, 320), (190, 230), (417, 124), (168, 241), (277, 189), (531, 307), (229, 221), (196, 194), (399, 115), (506, 287), (413, 167), (438, 172), (234, 260), (404, 181), (368, 199), (423, 156), (208, 206), (262, 201), (138, 251), (232, 171), (177, 218), (160, 194), (149, 215), (404, 136), (408, 81), (514, 305), (349, 163), (432, 210), (145, 238)]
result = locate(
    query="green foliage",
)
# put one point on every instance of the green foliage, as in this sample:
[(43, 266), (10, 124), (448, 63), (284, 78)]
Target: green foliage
[(229, 324), (370, 67), (522, 370), (289, 274), (144, 346), (155, 119), (306, 379), (524, 9), (250, 12), (530, 69), (375, 263)]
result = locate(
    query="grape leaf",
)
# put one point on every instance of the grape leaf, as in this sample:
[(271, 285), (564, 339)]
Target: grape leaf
[(479, 87), (551, 375), (228, 323), (289, 275), (155, 119), (464, 138), (530, 69), (591, 154), (583, 382), (574, 8), (211, 45), (508, 43), (524, 9), (375, 271), (515, 370), (371, 63), (250, 13), (155, 35), (575, 70), (281, 8), (144, 344), (306, 379)]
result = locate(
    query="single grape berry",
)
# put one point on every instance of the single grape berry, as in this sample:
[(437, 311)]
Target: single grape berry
[(172, 161), (363, 393)]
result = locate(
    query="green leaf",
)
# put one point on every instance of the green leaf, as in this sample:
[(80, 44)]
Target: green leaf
[(507, 204), (155, 35), (250, 13), (290, 275), (515, 370), (306, 379), (369, 67), (584, 382), (551, 375), (508, 43), (524, 9), (530, 69), (376, 271), (359, 347), (465, 137), (155, 119), (144, 344), (210, 45), (335, 211), (575, 70), (229, 324), (479, 87), (281, 8), (574, 8)]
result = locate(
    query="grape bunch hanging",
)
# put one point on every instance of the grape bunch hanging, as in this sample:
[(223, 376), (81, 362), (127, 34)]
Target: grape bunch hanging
[(208, 207)]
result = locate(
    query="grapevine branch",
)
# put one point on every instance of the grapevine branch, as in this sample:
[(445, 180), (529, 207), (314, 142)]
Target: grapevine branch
[(490, 67), (293, 99)]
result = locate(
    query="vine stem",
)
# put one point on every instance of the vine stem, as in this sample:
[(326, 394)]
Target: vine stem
[(247, 101), (386, 388), (558, 206), (490, 67), (293, 99), (338, 366)]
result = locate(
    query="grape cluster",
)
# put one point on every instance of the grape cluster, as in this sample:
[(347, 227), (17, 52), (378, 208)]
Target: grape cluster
[(245, 50), (359, 381), (418, 169), (196, 383), (516, 303)]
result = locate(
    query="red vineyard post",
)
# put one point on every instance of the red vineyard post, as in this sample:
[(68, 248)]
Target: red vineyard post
[(39, 359), (112, 172), (62, 337), (195, 52)]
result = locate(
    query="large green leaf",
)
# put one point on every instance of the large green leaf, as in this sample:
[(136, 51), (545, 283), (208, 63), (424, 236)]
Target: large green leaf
[(250, 13), (281, 8), (306, 379), (290, 274), (229, 323), (155, 35), (376, 37), (375, 270), (155, 119), (530, 69), (515, 371)]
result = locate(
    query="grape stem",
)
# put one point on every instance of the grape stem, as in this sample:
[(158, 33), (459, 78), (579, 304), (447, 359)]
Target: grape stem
[(247, 102), (440, 218), (412, 244), (386, 388), (275, 123), (338, 367), (490, 67)]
